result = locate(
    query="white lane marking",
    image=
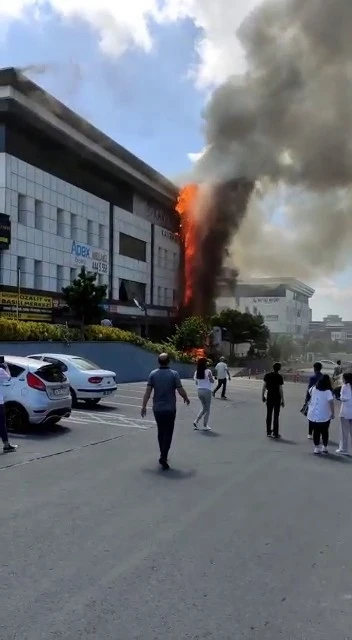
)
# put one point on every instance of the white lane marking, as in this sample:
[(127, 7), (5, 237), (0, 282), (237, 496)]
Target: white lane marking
[(114, 421)]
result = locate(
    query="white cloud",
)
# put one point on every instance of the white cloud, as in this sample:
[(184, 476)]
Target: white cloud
[(123, 25)]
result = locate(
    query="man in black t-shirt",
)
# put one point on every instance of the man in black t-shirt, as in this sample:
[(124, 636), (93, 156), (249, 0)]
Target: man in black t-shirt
[(273, 395)]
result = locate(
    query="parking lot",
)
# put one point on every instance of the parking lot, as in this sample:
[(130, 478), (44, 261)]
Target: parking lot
[(113, 418)]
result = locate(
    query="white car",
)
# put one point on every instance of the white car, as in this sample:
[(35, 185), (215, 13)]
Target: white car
[(38, 393), (87, 381)]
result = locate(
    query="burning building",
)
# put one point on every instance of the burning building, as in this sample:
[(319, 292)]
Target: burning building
[(210, 214)]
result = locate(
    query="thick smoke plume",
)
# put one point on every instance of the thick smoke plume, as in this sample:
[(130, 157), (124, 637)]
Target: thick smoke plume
[(287, 124)]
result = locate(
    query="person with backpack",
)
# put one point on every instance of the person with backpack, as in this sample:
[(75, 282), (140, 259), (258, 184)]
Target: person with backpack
[(317, 375)]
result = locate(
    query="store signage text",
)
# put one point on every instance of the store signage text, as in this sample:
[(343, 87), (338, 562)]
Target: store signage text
[(266, 300), (26, 306), (5, 231), (92, 259)]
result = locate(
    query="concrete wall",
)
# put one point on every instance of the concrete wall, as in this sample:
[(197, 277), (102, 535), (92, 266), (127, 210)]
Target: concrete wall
[(131, 363)]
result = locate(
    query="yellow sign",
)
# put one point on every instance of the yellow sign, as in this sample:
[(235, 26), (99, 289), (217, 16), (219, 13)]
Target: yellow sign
[(25, 300), (35, 317)]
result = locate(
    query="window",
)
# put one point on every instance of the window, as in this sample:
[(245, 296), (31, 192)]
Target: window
[(38, 272), (174, 297), (175, 263), (130, 290), (21, 270), (15, 370), (74, 227), (165, 297), (101, 236), (84, 365), (38, 215), (22, 209), (133, 247), (60, 221), (72, 274), (100, 279), (90, 232), (160, 296), (60, 277)]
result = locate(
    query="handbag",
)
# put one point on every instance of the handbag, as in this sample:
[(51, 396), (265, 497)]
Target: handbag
[(305, 408)]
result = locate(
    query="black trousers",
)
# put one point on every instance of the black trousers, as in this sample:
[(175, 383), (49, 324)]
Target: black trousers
[(221, 383), (165, 421), (273, 406), (3, 430), (320, 430)]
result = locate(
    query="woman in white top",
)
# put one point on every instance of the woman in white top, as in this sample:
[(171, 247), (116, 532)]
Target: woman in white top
[(204, 381), (321, 412), (346, 415)]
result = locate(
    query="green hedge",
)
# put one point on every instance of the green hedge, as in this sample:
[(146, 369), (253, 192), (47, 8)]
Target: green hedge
[(17, 331)]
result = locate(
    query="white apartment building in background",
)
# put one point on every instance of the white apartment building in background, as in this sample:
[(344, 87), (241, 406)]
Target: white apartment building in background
[(283, 303), (70, 196)]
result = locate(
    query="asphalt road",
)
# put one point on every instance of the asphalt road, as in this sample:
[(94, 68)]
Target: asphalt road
[(244, 538)]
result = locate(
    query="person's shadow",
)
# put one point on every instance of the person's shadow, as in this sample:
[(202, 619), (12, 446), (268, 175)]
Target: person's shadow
[(171, 474)]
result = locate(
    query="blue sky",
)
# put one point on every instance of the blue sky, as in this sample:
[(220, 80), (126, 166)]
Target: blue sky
[(145, 98), (146, 102)]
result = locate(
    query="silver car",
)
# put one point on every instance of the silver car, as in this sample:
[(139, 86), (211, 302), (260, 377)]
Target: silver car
[(38, 393)]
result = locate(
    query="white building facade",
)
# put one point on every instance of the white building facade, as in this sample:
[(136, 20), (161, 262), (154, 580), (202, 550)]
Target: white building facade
[(74, 198), (283, 303)]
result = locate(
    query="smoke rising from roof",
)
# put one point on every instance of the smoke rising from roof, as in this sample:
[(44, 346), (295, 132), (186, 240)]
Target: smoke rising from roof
[(288, 123)]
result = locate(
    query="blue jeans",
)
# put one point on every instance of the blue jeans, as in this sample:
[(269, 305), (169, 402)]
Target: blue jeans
[(3, 430)]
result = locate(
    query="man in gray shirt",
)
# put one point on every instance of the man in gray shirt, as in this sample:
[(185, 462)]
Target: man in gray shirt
[(164, 382)]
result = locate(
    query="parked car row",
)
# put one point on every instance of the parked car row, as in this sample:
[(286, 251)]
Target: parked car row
[(45, 386)]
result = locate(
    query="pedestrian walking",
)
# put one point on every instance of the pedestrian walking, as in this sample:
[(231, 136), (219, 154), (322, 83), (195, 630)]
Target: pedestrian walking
[(222, 374), (204, 381), (346, 415), (317, 375), (273, 396), (5, 377), (164, 382), (321, 411)]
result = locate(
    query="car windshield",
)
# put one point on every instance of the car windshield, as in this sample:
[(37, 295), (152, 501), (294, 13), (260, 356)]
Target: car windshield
[(84, 365)]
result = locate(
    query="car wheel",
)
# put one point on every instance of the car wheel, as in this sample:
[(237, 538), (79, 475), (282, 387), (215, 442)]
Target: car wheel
[(74, 397), (92, 403), (16, 417)]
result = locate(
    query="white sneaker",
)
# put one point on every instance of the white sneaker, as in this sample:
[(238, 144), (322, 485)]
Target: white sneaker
[(317, 451), (309, 437), (342, 452), (207, 428), (324, 450)]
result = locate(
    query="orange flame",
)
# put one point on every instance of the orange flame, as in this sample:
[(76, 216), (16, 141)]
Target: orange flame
[(185, 207)]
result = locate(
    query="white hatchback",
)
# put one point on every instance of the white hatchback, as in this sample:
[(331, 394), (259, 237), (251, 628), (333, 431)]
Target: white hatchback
[(88, 382), (38, 393)]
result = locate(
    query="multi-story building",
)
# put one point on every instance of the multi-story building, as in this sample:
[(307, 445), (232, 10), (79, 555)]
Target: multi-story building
[(331, 329), (283, 302), (71, 196)]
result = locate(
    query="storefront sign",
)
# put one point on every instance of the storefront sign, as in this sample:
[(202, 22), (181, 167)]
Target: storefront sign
[(26, 306), (265, 300), (82, 255), (5, 231)]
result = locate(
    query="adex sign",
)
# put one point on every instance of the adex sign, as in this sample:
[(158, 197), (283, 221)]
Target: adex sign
[(82, 255)]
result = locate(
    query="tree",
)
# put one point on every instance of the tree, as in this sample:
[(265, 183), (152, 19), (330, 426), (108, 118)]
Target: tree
[(285, 346), (190, 334), (242, 328), (84, 297)]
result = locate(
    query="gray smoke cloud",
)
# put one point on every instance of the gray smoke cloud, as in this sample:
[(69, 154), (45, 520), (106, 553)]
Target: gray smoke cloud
[(288, 123)]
